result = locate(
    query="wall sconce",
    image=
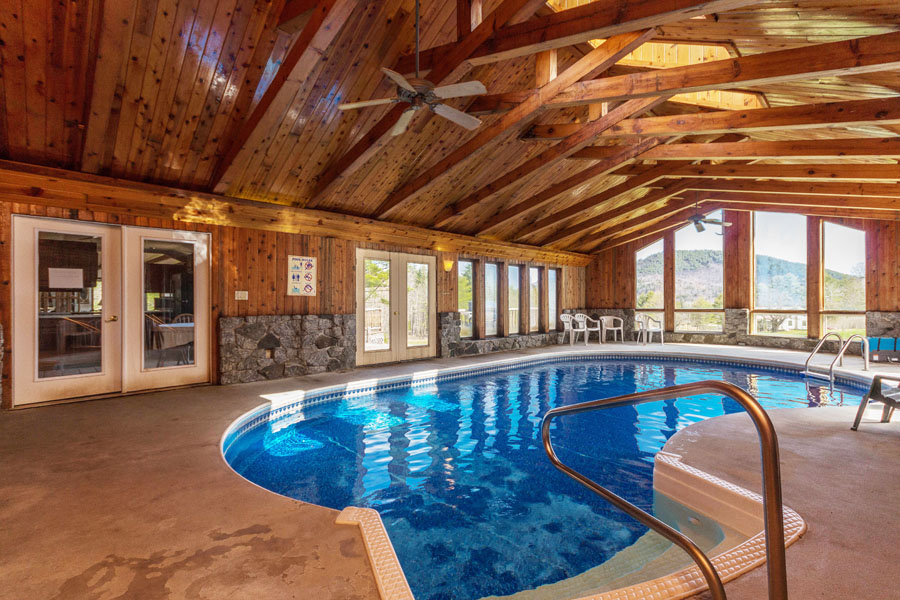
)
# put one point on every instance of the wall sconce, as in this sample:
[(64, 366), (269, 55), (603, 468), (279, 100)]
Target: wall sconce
[(448, 265)]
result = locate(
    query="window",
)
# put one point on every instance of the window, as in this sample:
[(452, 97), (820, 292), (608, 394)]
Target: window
[(513, 276), (491, 298), (779, 246), (844, 280), (534, 299), (552, 282), (649, 280), (699, 278), (465, 288)]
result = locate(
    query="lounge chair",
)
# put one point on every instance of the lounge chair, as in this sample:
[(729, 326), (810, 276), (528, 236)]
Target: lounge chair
[(890, 399)]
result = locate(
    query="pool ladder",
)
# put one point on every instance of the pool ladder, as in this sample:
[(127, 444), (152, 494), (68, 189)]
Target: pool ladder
[(839, 358), (771, 472)]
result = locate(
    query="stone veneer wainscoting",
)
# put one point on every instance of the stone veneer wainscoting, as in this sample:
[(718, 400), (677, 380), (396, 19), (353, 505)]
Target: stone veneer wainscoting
[(271, 347), (451, 344)]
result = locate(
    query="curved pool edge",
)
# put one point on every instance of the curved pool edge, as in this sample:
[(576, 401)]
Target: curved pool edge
[(386, 567)]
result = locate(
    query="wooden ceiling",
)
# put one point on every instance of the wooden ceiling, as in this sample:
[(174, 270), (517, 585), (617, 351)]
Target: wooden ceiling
[(602, 120)]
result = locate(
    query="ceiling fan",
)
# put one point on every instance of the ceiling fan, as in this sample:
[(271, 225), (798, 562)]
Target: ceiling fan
[(420, 93), (699, 219)]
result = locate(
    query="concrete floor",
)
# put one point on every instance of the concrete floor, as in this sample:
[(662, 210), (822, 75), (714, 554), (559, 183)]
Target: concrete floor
[(843, 483), (129, 497)]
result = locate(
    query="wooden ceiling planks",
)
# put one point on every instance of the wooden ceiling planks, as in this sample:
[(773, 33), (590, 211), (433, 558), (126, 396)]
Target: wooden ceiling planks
[(154, 90)]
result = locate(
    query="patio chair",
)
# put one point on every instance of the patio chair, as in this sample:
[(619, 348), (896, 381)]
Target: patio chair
[(572, 328), (587, 324), (646, 327), (890, 399), (614, 324)]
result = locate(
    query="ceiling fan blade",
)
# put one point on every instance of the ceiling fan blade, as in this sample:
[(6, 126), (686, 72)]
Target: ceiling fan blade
[(365, 103), (403, 122), (458, 90), (457, 116), (398, 79)]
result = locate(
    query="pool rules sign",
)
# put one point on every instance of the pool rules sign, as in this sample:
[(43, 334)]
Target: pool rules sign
[(302, 276)]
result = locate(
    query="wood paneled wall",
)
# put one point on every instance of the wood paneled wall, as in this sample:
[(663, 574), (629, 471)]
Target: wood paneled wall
[(255, 260), (610, 277)]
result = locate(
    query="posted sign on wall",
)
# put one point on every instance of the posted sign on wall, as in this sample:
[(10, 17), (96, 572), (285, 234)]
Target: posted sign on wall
[(301, 276)]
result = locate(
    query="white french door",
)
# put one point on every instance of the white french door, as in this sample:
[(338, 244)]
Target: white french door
[(395, 306), (100, 309)]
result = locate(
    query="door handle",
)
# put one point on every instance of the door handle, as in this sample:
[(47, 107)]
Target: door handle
[(395, 312), (112, 319)]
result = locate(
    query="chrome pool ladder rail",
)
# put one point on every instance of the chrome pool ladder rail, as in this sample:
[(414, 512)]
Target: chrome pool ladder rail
[(864, 348), (771, 471), (815, 351)]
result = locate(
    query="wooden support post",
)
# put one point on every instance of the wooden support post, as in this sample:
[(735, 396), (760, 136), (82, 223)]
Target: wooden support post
[(814, 277), (669, 280)]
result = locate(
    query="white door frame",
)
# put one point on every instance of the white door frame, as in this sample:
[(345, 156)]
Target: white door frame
[(135, 375), (27, 388), (399, 349)]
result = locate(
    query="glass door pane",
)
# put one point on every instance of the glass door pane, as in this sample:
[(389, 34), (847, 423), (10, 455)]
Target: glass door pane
[(513, 300), (491, 291), (168, 303), (417, 313), (534, 298), (70, 300), (377, 298)]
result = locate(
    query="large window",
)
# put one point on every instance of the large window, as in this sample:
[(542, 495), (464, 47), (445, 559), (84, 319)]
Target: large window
[(514, 302), (491, 298), (844, 280), (779, 247), (534, 299), (649, 280), (699, 278), (465, 295), (552, 307)]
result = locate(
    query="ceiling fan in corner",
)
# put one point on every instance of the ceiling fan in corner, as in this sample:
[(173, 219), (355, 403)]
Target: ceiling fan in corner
[(420, 93)]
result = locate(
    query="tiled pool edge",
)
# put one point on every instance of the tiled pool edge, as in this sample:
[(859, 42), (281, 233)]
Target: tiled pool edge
[(296, 401), (389, 576), (729, 564)]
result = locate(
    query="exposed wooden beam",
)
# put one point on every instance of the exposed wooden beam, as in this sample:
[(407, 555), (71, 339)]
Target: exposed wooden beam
[(652, 197), (849, 203), (870, 173), (378, 135), (598, 20), (794, 149), (881, 111), (824, 211), (601, 57), (678, 219), (294, 14), (647, 176), (625, 227), (604, 167), (468, 17), (545, 67), (323, 26), (83, 192), (861, 55), (549, 157), (883, 190)]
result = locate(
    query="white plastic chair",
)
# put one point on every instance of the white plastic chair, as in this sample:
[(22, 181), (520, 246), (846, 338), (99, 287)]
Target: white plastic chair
[(587, 324), (646, 327), (614, 324), (572, 328)]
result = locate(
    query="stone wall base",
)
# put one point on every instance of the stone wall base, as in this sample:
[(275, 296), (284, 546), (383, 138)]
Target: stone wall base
[(882, 324), (450, 343), (271, 347)]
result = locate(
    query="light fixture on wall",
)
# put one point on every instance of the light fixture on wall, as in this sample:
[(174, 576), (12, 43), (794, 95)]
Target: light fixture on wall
[(448, 265)]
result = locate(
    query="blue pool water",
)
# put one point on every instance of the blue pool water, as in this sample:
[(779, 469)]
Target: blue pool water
[(458, 473)]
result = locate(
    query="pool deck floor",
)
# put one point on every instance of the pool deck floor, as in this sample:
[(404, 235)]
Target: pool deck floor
[(129, 497)]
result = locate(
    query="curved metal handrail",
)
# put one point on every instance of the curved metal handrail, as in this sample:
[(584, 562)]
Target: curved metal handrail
[(771, 469), (819, 345), (864, 348)]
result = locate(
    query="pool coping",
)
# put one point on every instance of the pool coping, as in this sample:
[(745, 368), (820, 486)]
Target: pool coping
[(389, 575)]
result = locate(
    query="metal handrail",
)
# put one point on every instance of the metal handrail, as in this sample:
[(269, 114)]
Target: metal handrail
[(863, 342), (819, 346), (771, 471)]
